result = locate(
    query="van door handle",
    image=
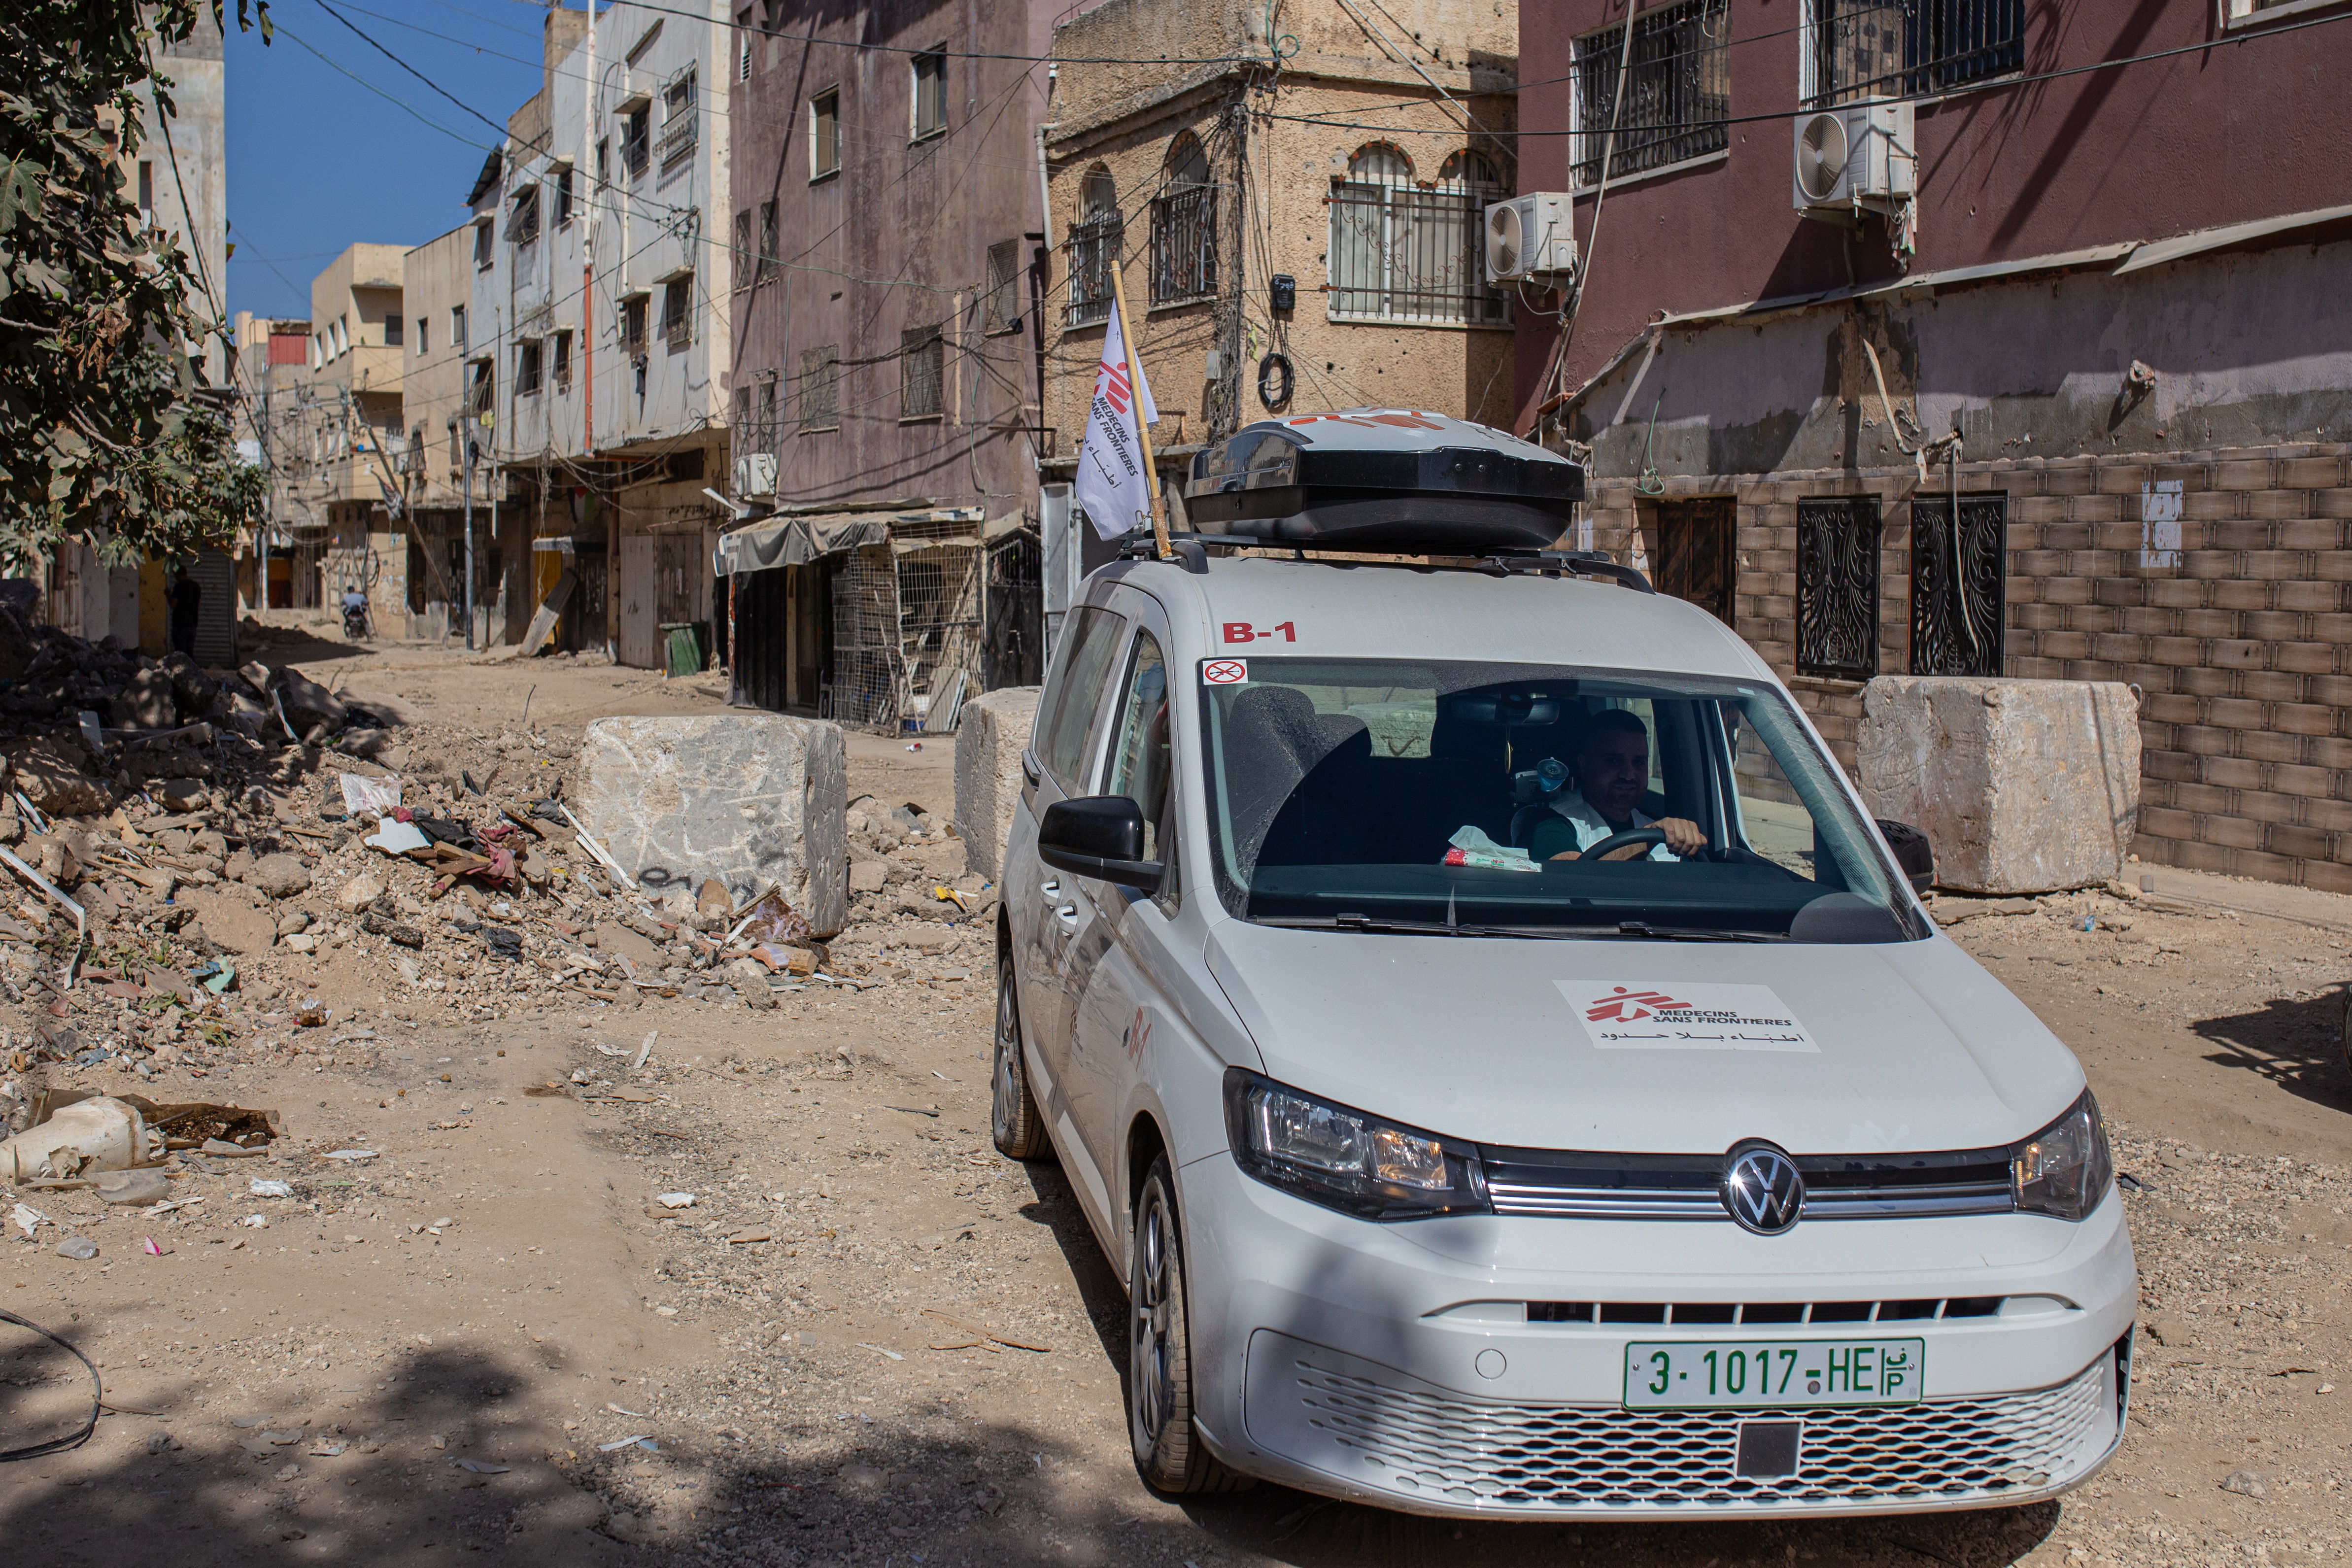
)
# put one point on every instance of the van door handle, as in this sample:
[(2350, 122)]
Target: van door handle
[(1068, 915)]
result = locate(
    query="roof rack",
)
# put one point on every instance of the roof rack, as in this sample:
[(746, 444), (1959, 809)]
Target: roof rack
[(1191, 551)]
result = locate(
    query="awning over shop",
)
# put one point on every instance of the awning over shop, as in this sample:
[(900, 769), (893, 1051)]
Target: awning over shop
[(797, 541)]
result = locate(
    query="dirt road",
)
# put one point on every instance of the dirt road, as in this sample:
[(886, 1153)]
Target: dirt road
[(869, 1338)]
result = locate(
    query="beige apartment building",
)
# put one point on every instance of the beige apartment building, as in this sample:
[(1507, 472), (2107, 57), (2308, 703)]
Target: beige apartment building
[(1274, 262), (437, 295)]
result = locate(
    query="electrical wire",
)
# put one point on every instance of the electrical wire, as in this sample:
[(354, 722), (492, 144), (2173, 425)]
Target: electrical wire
[(496, 128), (97, 1398)]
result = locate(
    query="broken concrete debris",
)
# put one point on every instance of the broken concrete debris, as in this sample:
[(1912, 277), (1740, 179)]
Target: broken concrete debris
[(2022, 786), (989, 738), (754, 799)]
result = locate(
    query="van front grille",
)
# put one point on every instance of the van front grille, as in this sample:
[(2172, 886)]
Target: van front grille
[(1568, 1184), (1538, 1458)]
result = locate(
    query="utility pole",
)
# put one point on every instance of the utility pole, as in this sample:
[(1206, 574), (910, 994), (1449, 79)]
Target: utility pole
[(472, 451)]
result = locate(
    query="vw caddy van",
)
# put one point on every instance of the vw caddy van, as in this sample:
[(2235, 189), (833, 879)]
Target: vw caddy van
[(1512, 1071)]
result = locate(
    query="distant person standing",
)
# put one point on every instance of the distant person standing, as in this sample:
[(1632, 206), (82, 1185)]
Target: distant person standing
[(186, 599)]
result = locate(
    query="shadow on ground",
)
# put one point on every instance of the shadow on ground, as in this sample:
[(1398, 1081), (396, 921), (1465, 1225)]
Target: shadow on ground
[(2296, 1044), (449, 1458)]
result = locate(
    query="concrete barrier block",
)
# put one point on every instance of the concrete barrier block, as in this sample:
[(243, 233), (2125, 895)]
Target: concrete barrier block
[(754, 799), (990, 735), (2022, 786)]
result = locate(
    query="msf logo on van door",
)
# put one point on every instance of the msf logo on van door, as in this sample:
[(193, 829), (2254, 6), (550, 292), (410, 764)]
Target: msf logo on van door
[(1762, 1189)]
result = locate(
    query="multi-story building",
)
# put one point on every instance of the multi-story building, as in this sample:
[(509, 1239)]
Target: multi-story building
[(598, 348), (1981, 338), (350, 431), (272, 375), (1295, 220), (884, 385), (437, 298)]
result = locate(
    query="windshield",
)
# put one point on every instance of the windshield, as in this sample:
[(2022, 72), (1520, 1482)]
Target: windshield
[(1524, 796)]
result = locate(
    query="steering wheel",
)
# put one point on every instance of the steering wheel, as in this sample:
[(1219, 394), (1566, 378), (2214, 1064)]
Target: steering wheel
[(1653, 834)]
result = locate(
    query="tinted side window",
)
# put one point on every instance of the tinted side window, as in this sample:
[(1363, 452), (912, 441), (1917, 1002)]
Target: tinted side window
[(1089, 640)]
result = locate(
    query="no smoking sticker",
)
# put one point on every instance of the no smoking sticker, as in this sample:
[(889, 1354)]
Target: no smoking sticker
[(1223, 671)]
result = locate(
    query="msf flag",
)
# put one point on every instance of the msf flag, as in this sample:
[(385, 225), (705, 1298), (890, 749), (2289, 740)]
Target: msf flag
[(1112, 485)]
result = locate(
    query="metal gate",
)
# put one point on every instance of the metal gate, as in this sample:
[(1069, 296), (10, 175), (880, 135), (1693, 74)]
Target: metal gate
[(1956, 617), (1837, 587), (1016, 612), (1698, 554)]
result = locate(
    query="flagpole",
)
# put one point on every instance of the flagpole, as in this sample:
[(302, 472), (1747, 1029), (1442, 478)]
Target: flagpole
[(1135, 401)]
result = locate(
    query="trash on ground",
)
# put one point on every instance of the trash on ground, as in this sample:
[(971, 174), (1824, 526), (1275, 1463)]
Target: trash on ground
[(482, 1467), (349, 1154), (133, 1189), (676, 1200), (271, 1187), (100, 1133), (620, 1443), (370, 796), (81, 1246), (397, 837)]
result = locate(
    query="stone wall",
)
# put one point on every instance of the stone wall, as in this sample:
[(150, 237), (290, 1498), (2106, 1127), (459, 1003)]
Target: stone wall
[(2237, 632)]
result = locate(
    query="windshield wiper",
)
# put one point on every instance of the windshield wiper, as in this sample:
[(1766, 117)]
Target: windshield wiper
[(1648, 932)]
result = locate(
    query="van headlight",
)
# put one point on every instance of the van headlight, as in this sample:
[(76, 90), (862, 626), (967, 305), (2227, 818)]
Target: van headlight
[(1346, 1160), (2064, 1169)]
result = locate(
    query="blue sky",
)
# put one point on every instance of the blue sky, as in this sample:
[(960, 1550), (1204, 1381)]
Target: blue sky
[(317, 161)]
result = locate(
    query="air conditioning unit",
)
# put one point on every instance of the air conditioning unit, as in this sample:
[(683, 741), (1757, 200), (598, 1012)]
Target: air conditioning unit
[(1531, 237), (755, 474), (1855, 156)]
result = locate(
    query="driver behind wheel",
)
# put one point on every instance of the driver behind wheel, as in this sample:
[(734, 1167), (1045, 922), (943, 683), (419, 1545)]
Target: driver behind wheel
[(1610, 769)]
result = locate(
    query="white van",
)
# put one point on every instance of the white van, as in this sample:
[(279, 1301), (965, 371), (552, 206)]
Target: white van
[(1510, 1069)]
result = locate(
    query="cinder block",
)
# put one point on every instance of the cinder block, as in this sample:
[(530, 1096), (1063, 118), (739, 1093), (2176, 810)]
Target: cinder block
[(2305, 718), (2328, 877), (2305, 657), (2301, 779), (2178, 592), (755, 800), (2236, 595), (2332, 503), (2123, 478), (2235, 713), (2233, 832), (991, 734), (2229, 773), (2292, 838), (2191, 855), (2311, 473), (2245, 475), (2204, 799), (2162, 822), (2235, 653), (2307, 598), (2021, 785), (2271, 685)]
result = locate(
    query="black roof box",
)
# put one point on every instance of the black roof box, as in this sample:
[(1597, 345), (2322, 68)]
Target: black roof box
[(1382, 480)]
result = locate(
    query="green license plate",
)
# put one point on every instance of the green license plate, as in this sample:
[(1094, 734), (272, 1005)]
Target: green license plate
[(1738, 1375)]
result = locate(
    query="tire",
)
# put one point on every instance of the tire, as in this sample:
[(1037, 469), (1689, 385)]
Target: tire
[(1012, 1117), (1169, 1453)]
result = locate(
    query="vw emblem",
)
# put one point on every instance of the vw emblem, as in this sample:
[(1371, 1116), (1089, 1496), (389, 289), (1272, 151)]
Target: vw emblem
[(1762, 1189)]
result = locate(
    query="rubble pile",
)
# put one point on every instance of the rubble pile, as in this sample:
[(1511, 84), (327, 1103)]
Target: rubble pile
[(228, 860)]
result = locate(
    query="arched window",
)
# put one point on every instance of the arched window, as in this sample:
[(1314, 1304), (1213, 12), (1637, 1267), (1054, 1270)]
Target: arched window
[(1094, 247), (1184, 226), (1407, 250)]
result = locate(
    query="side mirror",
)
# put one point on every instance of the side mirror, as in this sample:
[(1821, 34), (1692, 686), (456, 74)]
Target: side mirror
[(1098, 835), (1912, 853)]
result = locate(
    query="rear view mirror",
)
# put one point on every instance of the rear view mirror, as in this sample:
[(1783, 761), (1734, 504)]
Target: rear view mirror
[(1912, 853), (1098, 835)]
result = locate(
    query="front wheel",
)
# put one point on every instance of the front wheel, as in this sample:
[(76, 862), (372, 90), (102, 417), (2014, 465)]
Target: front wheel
[(1012, 1117), (1169, 1452)]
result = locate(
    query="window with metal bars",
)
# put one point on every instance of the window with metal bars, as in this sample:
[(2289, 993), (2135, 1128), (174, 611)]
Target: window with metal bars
[(680, 116), (1677, 91), (1905, 49), (633, 326), (481, 388), (527, 369), (636, 139), (768, 251), (1001, 303), (1406, 250), (1837, 587), (1094, 248), (821, 388), (1957, 615), (677, 311), (561, 366), (744, 264), (563, 196), (922, 364), (1184, 226), (770, 426)]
